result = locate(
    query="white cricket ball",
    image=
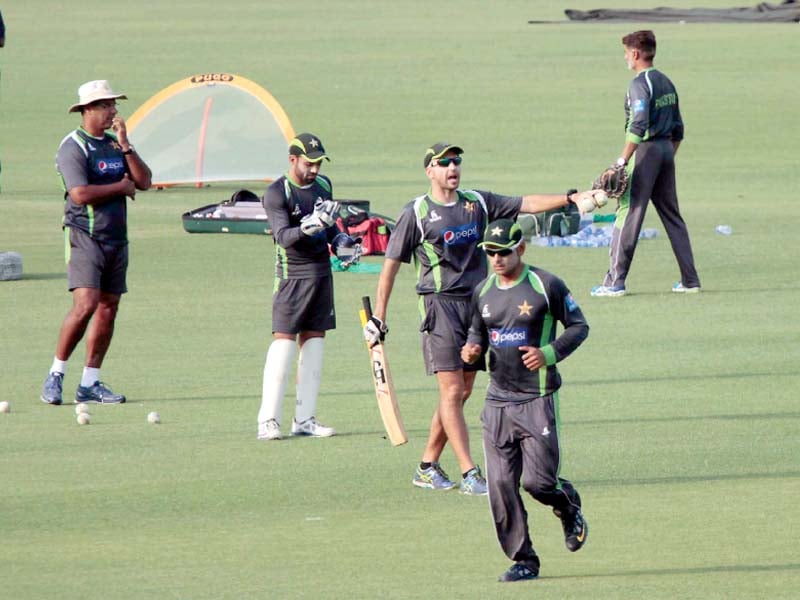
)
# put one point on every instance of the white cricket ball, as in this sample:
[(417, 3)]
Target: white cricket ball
[(5, 407), (81, 408), (601, 198), (153, 418), (84, 418)]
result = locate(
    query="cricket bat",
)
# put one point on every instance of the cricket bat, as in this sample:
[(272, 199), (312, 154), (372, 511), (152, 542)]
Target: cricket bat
[(384, 388)]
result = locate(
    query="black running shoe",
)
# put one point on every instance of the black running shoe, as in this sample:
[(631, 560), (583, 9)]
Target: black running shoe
[(576, 529), (520, 571)]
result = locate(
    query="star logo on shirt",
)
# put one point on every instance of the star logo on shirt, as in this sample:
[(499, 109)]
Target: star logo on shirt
[(497, 231), (525, 308), (470, 206), (313, 143)]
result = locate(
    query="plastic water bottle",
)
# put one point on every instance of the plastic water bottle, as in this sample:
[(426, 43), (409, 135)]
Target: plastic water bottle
[(649, 233), (723, 229)]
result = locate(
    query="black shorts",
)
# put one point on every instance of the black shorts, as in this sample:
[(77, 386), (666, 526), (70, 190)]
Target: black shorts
[(444, 332), (303, 305), (94, 264)]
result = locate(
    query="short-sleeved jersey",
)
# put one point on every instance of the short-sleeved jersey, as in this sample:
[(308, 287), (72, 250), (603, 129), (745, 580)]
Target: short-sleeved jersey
[(525, 314), (83, 159), (651, 108), (443, 239), (298, 256)]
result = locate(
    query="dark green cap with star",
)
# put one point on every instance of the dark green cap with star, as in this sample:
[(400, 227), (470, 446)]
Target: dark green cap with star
[(502, 234)]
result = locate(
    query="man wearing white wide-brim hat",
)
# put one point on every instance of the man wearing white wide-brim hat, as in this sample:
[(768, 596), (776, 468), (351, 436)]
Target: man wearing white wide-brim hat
[(99, 170)]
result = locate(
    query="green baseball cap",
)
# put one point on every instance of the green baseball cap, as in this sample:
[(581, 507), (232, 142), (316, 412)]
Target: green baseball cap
[(502, 234), (440, 149)]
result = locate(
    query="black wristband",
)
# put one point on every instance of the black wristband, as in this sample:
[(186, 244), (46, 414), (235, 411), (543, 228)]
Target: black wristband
[(569, 193)]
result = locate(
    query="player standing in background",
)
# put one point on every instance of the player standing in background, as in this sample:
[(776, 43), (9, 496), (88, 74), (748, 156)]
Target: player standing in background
[(302, 215), (653, 133), (99, 171), (441, 230), (514, 316)]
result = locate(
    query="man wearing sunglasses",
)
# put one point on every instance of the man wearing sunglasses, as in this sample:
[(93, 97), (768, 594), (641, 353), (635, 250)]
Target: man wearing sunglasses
[(514, 315), (441, 230)]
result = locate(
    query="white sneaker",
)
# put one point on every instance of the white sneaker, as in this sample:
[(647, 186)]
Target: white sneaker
[(269, 430), (679, 288), (312, 428)]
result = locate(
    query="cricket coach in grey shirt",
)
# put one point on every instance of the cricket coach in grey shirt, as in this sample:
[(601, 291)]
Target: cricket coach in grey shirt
[(99, 170)]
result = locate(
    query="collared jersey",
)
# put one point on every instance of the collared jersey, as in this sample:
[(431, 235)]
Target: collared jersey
[(83, 159), (525, 314), (651, 108), (443, 239), (298, 256)]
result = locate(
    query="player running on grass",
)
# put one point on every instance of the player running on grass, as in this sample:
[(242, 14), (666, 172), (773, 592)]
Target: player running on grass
[(441, 231), (514, 315)]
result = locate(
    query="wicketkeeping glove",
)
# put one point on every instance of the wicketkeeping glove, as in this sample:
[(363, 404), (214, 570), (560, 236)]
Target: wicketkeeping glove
[(327, 211), (324, 215), (312, 224), (613, 181), (375, 331)]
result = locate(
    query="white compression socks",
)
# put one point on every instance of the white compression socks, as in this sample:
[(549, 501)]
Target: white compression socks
[(309, 376), (276, 373)]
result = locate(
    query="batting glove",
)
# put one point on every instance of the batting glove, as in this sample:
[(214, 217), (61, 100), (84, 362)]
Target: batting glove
[(375, 331)]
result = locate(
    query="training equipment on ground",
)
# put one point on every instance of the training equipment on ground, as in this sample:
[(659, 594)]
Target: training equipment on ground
[(212, 127), (83, 419), (81, 408), (5, 407), (347, 249), (10, 266), (613, 181), (384, 387), (154, 418)]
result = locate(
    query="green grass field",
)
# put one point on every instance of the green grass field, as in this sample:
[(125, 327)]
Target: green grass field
[(681, 417)]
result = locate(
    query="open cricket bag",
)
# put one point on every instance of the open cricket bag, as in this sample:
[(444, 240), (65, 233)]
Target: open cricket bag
[(374, 230), (560, 222)]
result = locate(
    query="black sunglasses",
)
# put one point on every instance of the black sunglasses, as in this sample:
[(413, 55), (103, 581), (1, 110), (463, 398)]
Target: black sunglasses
[(445, 162), (503, 252)]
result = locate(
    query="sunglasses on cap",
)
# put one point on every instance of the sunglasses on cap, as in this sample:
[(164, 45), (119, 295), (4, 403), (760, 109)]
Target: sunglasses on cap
[(445, 162), (503, 252)]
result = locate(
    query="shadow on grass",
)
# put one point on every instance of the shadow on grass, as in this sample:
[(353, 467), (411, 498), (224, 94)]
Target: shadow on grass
[(673, 479), (40, 277), (685, 418), (688, 571)]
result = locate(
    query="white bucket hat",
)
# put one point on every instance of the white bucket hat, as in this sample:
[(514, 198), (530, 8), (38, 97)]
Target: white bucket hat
[(93, 91)]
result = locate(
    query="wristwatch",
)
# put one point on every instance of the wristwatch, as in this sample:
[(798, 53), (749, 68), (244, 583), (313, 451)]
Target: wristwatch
[(130, 150), (569, 193)]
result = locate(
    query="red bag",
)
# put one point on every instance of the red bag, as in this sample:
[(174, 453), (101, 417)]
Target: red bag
[(374, 234)]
